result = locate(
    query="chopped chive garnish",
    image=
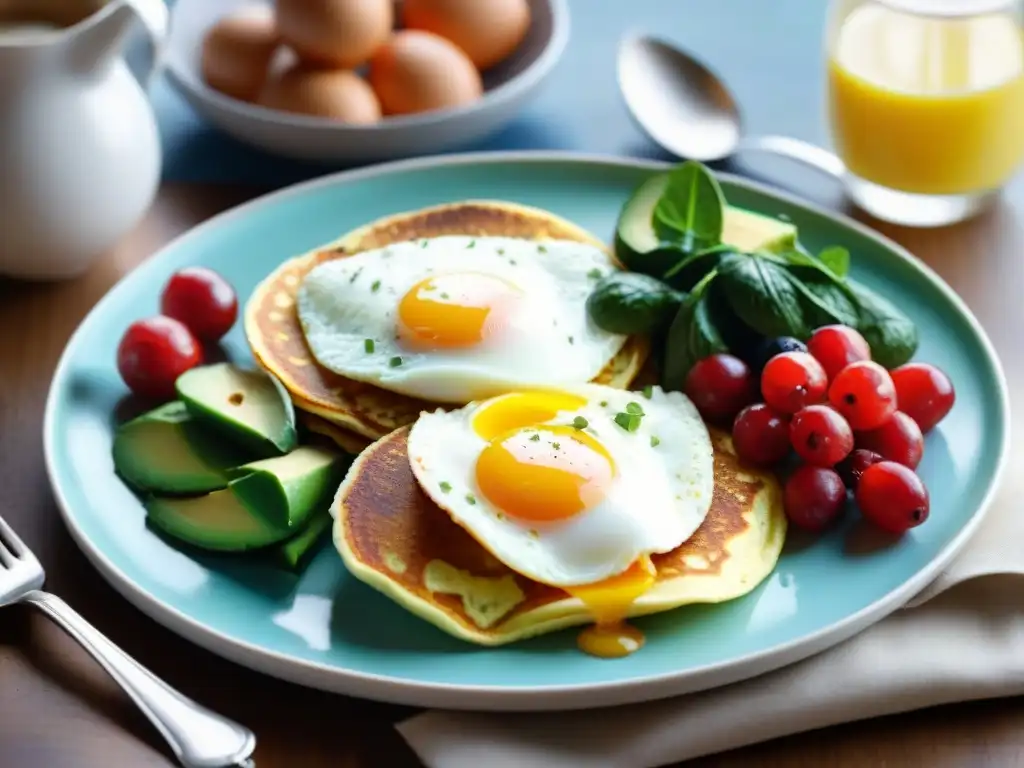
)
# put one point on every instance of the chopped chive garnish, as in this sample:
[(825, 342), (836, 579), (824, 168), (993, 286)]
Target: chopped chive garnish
[(655, 442), (423, 243), (648, 391), (542, 249), (594, 274), (628, 421), (394, 362), (603, 403), (557, 446), (368, 346), (472, 244), (444, 295), (376, 286), (355, 275), (535, 437), (512, 262), (446, 487), (501, 251), (580, 423), (470, 499), (572, 340), (634, 408)]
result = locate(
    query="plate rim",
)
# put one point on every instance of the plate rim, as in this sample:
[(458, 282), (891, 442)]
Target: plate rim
[(398, 690)]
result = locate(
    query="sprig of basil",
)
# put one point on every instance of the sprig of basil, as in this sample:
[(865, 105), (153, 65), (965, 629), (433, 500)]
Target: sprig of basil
[(691, 336), (691, 210), (892, 335)]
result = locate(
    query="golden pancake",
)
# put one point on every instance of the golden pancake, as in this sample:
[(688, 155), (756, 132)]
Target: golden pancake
[(277, 341), (391, 536)]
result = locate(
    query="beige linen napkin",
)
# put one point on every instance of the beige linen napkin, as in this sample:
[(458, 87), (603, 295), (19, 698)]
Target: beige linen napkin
[(961, 638)]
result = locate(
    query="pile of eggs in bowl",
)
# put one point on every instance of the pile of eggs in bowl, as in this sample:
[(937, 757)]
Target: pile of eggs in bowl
[(358, 61)]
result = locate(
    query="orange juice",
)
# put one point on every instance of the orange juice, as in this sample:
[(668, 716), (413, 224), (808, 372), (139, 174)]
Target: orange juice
[(927, 104)]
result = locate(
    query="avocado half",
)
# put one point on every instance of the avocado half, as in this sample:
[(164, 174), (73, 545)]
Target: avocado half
[(637, 244)]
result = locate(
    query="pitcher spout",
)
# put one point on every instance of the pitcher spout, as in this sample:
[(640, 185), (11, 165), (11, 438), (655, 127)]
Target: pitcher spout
[(98, 41)]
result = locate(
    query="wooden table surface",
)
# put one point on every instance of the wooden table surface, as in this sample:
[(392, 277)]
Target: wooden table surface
[(58, 709)]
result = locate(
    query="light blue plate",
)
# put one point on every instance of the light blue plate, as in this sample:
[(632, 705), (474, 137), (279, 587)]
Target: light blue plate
[(327, 630)]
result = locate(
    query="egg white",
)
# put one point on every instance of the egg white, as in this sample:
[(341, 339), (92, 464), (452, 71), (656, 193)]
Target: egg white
[(659, 497), (550, 342)]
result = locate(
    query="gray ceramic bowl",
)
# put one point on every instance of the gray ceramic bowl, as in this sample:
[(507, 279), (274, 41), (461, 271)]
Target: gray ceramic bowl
[(508, 86)]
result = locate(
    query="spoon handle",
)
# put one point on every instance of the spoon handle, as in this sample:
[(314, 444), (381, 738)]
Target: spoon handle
[(801, 151)]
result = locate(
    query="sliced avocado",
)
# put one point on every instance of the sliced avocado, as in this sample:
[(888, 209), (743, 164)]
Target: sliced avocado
[(249, 406), (167, 451), (219, 521), (265, 503), (637, 244), (749, 231), (296, 551), (287, 489)]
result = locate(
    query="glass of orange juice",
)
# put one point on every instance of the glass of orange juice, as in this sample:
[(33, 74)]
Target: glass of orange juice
[(926, 103)]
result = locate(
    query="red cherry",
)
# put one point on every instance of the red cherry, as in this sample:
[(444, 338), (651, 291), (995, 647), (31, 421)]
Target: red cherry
[(892, 497), (813, 497), (899, 440), (153, 353), (202, 300), (719, 386), (793, 380), (820, 436), (853, 466), (836, 346), (863, 392), (761, 435), (924, 393)]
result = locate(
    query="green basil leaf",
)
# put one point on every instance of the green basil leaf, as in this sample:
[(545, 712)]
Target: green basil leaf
[(632, 303), (763, 295), (691, 337), (692, 267), (826, 303), (691, 210), (837, 259), (892, 335), (654, 262)]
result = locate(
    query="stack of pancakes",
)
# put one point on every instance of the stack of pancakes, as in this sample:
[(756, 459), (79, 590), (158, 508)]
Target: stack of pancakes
[(392, 536)]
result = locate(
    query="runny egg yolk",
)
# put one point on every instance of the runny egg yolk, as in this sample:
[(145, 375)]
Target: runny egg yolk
[(539, 473), (458, 309), (544, 474), (608, 602)]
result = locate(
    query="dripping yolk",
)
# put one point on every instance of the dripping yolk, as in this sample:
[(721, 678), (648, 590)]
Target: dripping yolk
[(610, 599), (459, 309), (608, 602), (543, 473)]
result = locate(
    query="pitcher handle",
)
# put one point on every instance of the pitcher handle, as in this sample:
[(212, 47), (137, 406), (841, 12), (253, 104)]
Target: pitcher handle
[(154, 17)]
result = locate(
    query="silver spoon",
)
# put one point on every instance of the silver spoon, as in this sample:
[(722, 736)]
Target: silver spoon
[(686, 109)]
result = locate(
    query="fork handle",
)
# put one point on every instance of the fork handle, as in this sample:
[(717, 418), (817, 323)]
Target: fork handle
[(199, 738)]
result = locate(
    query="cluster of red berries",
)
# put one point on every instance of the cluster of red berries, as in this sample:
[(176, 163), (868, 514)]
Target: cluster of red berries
[(853, 424)]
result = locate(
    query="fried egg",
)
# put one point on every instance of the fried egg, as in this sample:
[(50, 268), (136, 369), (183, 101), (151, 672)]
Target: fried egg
[(571, 487), (456, 318)]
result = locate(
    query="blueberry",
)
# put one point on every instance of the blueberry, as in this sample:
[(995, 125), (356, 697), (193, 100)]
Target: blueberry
[(769, 348)]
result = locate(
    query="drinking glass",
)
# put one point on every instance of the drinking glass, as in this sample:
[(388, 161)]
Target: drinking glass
[(926, 103)]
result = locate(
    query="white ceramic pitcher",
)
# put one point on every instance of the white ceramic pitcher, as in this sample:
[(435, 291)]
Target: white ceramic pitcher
[(79, 146)]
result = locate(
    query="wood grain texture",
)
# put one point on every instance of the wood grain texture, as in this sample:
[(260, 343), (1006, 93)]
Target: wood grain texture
[(58, 709)]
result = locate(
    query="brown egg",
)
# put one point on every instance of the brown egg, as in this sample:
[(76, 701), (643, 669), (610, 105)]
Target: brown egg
[(237, 51), (336, 33), (335, 93), (419, 71), (487, 30)]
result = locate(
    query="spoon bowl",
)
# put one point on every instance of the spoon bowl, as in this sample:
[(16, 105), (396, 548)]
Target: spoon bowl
[(685, 108)]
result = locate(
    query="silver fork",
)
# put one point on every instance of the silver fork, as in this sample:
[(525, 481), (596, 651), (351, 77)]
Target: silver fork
[(199, 738)]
